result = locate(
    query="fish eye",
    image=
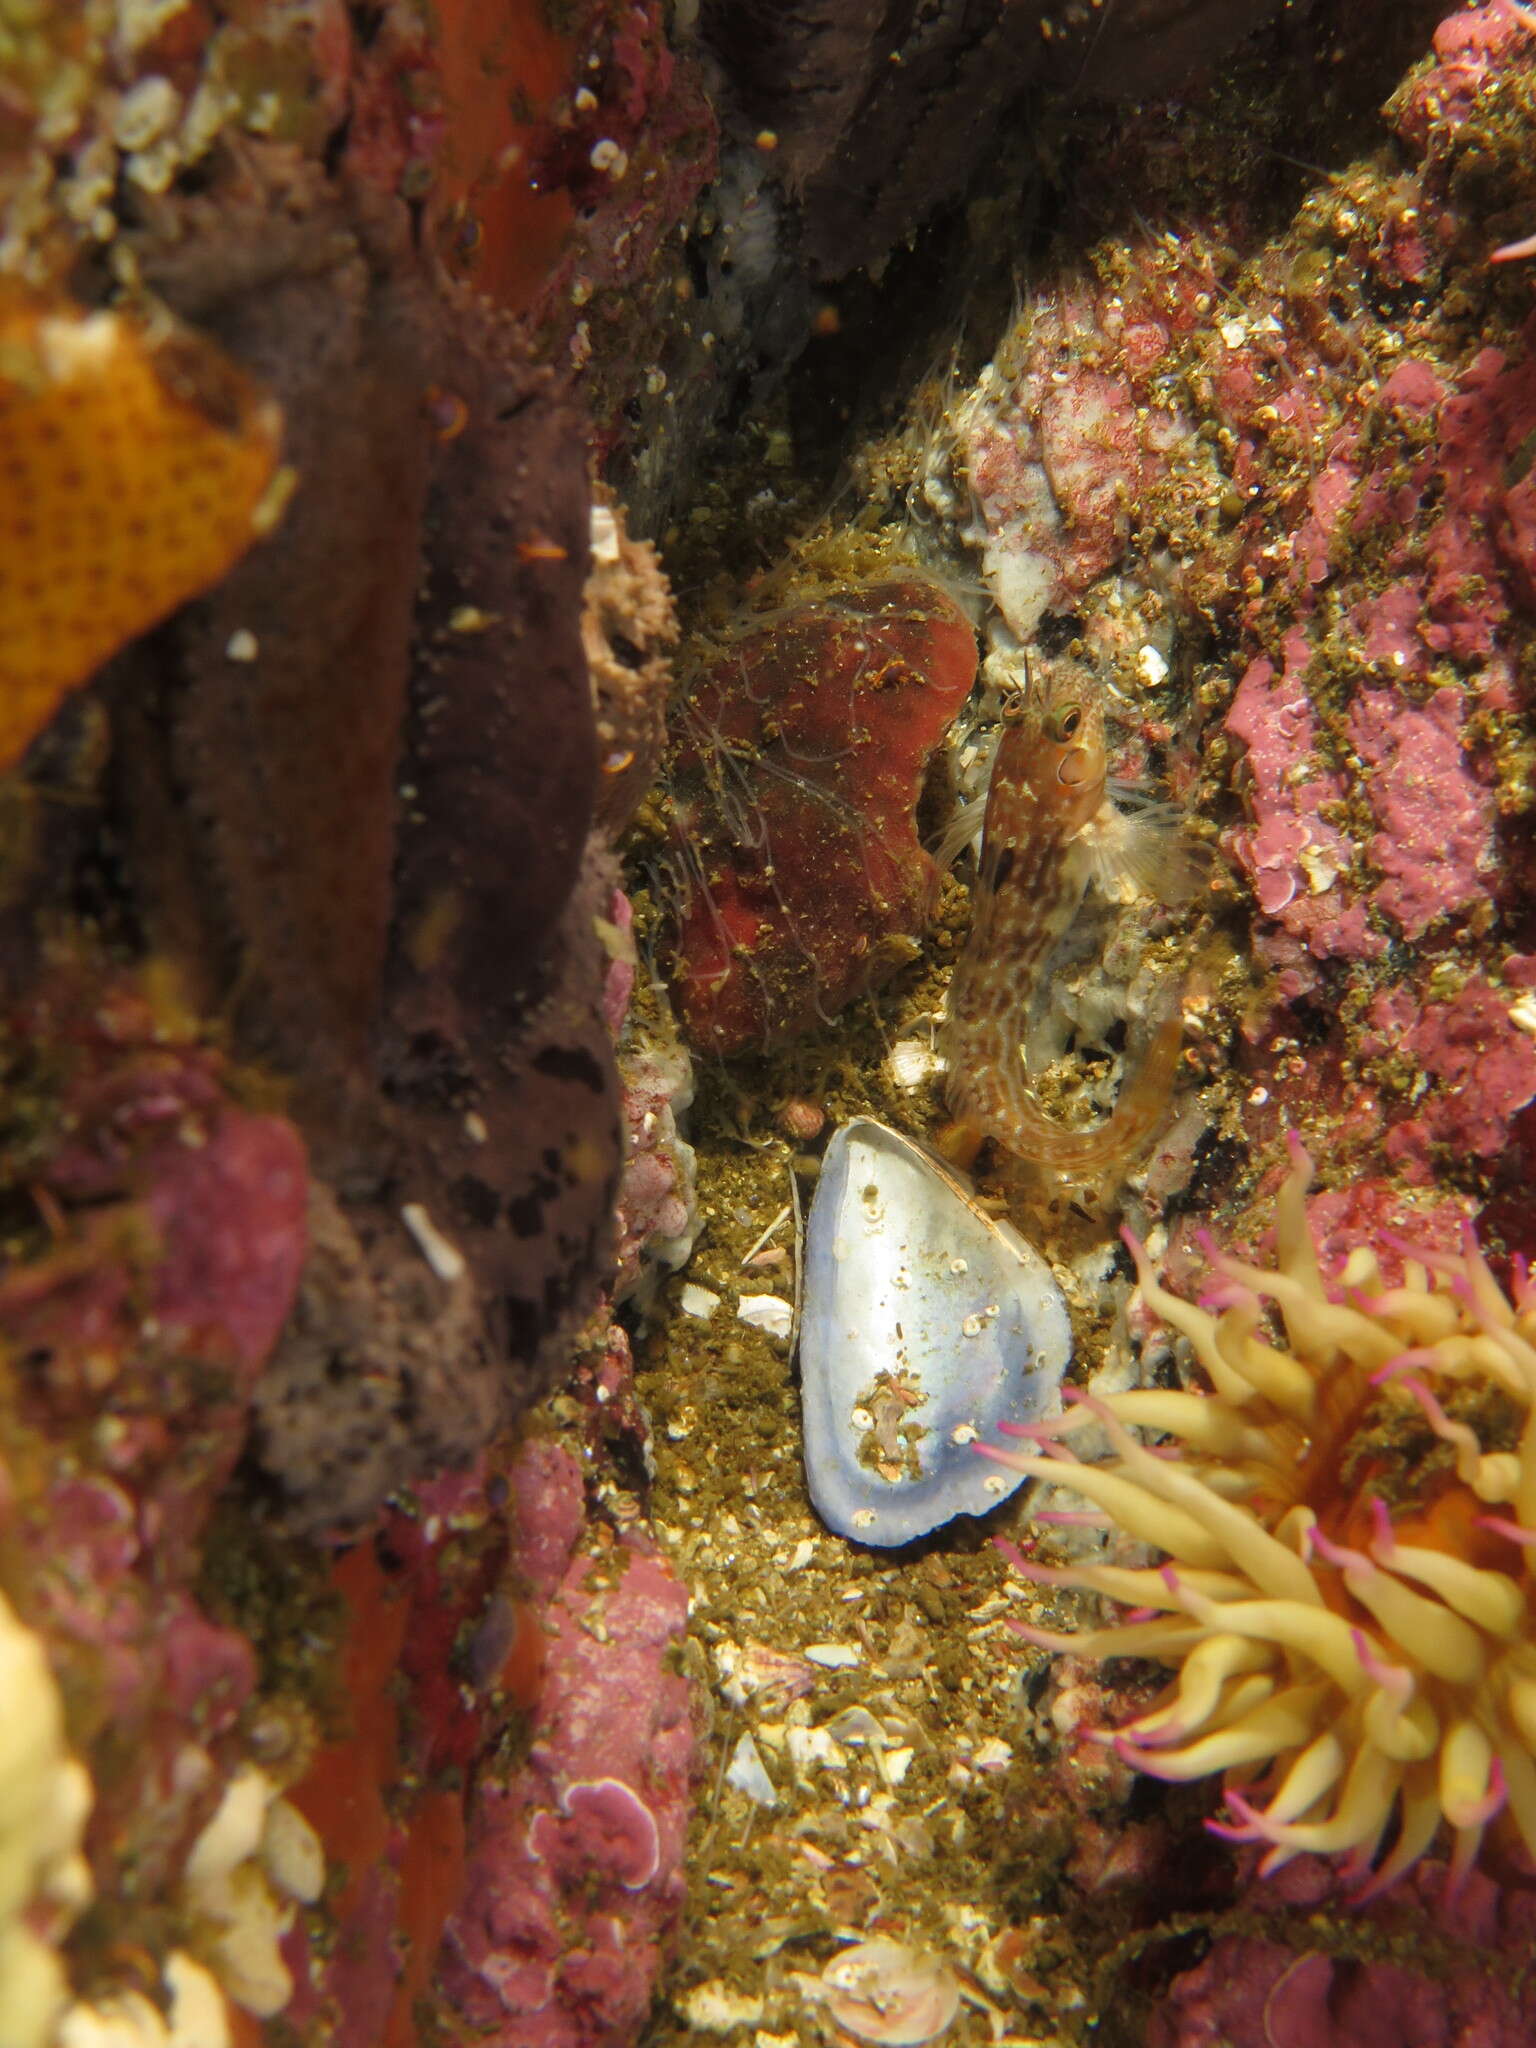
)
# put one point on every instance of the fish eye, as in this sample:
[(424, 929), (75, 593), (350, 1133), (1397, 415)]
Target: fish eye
[(1062, 724)]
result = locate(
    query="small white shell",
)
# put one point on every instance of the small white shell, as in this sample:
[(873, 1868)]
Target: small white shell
[(891, 1995), (746, 1771), (768, 1312)]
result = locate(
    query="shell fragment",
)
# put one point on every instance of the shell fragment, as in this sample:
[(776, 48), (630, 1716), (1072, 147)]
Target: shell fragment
[(924, 1324)]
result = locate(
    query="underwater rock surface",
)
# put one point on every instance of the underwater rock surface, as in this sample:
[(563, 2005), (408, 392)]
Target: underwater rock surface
[(925, 1325), (884, 113)]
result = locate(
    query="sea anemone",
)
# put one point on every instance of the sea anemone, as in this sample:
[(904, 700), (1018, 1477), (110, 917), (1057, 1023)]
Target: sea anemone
[(1348, 1519)]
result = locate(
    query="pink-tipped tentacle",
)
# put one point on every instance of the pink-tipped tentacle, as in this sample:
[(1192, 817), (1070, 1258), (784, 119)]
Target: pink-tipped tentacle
[(1054, 1640), (1383, 1535), (1300, 1157), (1405, 1361), (1396, 1682), (1251, 1825), (1340, 1554), (1481, 1811)]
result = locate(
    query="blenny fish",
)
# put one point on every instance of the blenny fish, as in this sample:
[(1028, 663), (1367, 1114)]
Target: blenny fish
[(1051, 827)]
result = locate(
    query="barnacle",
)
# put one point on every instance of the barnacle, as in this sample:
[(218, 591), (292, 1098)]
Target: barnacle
[(137, 464), (1348, 1518)]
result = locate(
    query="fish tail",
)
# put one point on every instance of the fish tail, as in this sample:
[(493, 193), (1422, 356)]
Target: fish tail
[(1015, 1118)]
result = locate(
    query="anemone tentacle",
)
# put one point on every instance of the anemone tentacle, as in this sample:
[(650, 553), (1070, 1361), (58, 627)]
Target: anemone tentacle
[(1359, 1661)]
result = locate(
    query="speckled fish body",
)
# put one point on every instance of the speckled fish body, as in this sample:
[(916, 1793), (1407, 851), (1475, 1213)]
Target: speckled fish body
[(925, 1325), (1050, 826)]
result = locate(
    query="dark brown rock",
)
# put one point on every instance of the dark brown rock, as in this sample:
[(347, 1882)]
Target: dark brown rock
[(355, 787), (884, 113)]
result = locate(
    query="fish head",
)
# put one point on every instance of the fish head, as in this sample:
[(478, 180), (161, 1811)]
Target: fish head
[(1053, 749)]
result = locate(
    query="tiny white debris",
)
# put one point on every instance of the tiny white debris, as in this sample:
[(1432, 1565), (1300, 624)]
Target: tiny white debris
[(745, 1771), (768, 1312), (809, 1747), (145, 112), (896, 1764), (440, 1253), (1150, 666), (585, 101), (993, 1755), (1321, 872), (698, 1301), (608, 156), (72, 349), (863, 1518), (857, 1725), (1522, 1014), (1233, 333), (714, 2008), (604, 534), (802, 1554), (475, 1128), (242, 645), (291, 1853), (468, 618), (835, 1656), (910, 1061)]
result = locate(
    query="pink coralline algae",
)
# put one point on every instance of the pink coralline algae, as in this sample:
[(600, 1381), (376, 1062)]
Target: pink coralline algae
[(1435, 846), (140, 1322), (1339, 520), (1443, 1987), (1293, 855), (1060, 447), (796, 788), (574, 1877), (178, 1236), (1480, 1068)]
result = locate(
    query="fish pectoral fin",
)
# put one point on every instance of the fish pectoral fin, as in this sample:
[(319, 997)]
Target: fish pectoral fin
[(961, 831), (1147, 853)]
